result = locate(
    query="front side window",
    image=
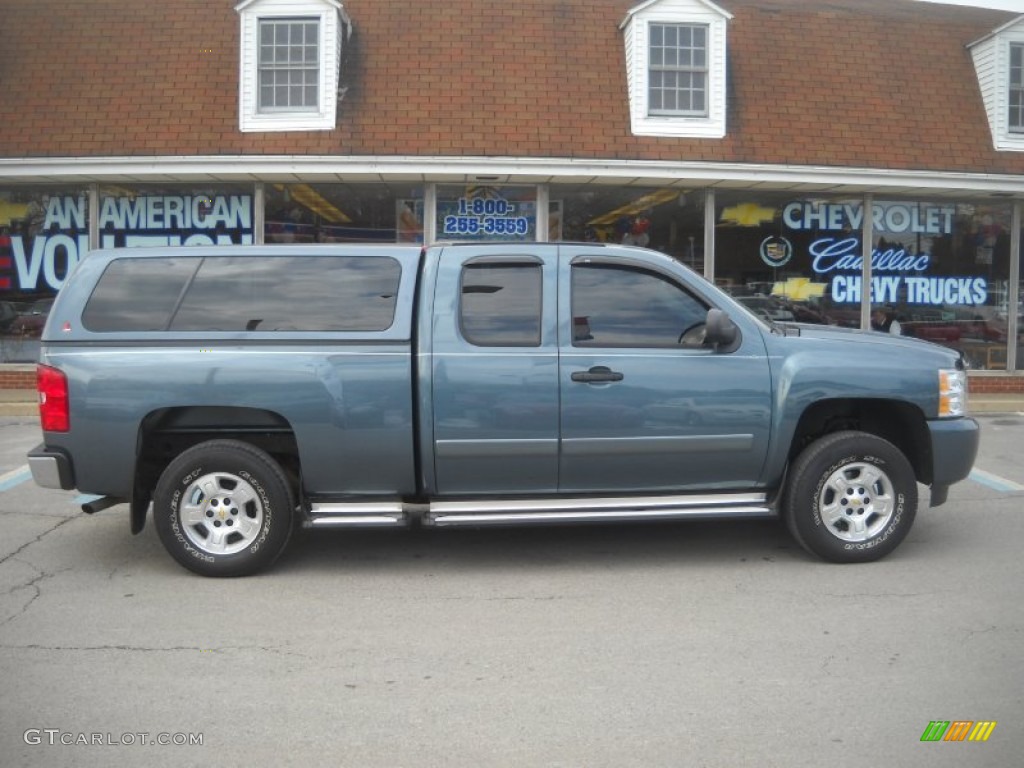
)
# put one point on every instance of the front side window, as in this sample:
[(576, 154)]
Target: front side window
[(678, 69), (501, 305), (616, 306), (289, 65), (1016, 100)]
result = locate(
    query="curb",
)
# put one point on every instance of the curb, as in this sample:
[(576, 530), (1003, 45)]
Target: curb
[(19, 409)]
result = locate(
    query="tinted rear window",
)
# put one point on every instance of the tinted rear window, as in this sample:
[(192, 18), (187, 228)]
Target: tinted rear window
[(137, 294), (248, 293)]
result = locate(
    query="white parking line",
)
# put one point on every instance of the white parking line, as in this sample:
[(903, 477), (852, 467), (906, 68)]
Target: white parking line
[(15, 477), (994, 481)]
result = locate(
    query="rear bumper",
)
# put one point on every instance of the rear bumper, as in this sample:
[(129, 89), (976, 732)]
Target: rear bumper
[(51, 468), (954, 448)]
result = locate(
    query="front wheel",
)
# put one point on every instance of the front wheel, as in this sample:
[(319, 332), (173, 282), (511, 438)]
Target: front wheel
[(223, 508), (851, 497)]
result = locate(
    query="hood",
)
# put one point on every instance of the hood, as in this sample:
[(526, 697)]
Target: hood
[(887, 341)]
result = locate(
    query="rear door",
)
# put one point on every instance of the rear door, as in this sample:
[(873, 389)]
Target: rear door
[(494, 368), (644, 405)]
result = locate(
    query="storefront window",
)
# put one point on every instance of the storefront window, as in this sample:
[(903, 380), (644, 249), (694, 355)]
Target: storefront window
[(131, 217), (343, 213), (669, 220), (780, 257), (940, 269), (941, 273), (43, 232), (479, 213)]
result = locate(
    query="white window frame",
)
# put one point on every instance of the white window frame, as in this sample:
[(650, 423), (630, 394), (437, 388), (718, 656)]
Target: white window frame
[(263, 67), (701, 72), (1011, 87), (991, 57), (333, 27), (637, 36)]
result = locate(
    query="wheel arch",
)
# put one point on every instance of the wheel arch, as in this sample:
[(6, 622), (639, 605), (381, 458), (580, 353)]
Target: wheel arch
[(900, 423), (167, 432)]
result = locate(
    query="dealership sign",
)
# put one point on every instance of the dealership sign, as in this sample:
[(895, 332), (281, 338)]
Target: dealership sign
[(44, 261), (839, 257)]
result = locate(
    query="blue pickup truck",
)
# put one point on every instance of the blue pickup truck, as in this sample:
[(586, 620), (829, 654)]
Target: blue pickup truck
[(242, 391)]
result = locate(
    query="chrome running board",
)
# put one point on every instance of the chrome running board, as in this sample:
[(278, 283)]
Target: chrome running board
[(592, 510), (473, 513), (357, 514)]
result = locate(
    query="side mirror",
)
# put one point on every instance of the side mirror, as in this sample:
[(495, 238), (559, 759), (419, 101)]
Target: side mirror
[(720, 332)]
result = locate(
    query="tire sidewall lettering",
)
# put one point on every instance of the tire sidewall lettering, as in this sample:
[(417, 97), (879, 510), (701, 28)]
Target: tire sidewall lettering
[(268, 510), (175, 522)]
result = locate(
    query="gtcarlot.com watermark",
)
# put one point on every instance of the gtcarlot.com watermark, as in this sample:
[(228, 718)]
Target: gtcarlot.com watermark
[(55, 736)]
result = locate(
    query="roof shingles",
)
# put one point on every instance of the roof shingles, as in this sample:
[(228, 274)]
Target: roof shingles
[(872, 83)]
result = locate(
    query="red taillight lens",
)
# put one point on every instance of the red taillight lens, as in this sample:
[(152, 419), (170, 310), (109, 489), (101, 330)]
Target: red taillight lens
[(52, 386)]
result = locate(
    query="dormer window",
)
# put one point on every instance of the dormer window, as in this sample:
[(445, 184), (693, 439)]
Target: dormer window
[(675, 68), (290, 64), (999, 65)]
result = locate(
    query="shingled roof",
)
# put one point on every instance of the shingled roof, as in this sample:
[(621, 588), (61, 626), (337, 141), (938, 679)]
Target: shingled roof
[(862, 83)]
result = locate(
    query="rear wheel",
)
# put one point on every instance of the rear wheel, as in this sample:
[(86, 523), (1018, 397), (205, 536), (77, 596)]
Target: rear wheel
[(223, 508), (851, 497)]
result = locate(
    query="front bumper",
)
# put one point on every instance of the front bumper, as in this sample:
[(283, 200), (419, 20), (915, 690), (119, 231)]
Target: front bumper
[(954, 448), (51, 468)]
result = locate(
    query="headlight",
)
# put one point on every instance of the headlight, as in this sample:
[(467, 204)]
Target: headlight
[(952, 393)]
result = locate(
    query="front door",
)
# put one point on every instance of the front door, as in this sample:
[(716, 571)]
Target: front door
[(646, 407)]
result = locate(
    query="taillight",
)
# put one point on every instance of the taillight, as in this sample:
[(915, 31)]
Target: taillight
[(52, 386)]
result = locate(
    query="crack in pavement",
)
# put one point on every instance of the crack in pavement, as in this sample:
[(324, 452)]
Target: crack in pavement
[(32, 584), (36, 540)]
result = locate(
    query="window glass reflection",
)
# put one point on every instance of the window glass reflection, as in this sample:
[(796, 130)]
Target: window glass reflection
[(291, 294), (501, 305), (616, 307)]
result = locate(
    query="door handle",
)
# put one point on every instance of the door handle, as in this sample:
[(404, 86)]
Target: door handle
[(597, 374)]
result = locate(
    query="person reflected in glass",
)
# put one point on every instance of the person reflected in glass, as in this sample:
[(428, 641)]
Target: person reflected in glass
[(884, 319)]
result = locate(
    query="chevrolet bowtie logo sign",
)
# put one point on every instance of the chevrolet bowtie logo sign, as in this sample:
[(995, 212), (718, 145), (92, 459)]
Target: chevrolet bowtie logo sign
[(748, 215)]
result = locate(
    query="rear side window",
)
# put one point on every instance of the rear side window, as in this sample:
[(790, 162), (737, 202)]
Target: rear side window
[(501, 305), (291, 293), (137, 294), (248, 293)]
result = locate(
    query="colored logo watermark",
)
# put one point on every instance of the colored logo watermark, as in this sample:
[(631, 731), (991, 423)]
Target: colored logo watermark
[(958, 730)]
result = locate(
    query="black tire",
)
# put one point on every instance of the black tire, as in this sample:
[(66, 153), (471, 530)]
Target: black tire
[(223, 508), (851, 497)]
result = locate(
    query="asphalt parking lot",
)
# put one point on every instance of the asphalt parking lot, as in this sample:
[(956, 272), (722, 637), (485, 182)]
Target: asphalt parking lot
[(697, 644)]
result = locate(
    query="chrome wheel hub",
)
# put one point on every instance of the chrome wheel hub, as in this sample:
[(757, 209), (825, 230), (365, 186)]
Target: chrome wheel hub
[(857, 502), (221, 513)]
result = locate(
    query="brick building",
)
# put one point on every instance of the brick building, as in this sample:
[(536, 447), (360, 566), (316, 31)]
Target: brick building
[(795, 152)]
